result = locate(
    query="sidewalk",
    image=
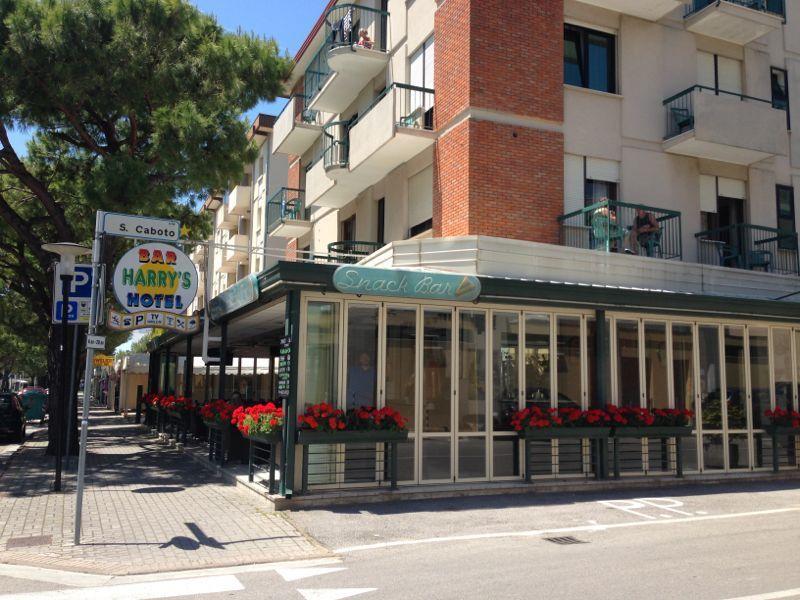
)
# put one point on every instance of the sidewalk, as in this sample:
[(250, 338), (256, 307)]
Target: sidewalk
[(146, 509)]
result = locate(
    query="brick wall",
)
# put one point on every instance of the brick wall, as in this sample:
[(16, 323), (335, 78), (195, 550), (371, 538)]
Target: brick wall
[(492, 178)]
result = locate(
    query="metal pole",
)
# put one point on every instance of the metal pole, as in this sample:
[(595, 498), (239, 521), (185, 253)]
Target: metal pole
[(72, 394), (66, 281), (96, 283)]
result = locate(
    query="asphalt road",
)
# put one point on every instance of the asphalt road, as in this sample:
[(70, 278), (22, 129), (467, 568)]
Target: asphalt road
[(720, 543)]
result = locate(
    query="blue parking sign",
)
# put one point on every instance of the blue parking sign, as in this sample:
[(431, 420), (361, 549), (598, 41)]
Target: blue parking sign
[(80, 296)]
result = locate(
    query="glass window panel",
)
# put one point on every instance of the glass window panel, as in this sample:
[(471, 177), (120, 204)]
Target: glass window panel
[(572, 58), (735, 377), (689, 449), (713, 452), (322, 354), (362, 356), (401, 361), (759, 374), (600, 57), (537, 361), (683, 366), (782, 359), (738, 453), (472, 371), (505, 361), (568, 361), (655, 364), (405, 461), (436, 458), (710, 393), (436, 370), (471, 457), (628, 363), (591, 360), (506, 457)]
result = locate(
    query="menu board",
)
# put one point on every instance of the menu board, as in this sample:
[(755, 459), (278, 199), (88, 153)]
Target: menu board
[(285, 368)]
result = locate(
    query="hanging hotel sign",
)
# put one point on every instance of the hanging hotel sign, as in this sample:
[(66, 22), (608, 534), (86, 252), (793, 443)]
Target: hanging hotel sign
[(153, 318), (155, 277), (406, 284)]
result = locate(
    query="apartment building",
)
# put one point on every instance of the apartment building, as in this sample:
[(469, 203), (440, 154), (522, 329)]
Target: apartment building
[(616, 180)]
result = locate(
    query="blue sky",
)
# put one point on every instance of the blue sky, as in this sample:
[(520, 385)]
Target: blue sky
[(288, 21)]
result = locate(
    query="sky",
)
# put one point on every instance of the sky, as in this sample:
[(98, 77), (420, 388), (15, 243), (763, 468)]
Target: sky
[(288, 21)]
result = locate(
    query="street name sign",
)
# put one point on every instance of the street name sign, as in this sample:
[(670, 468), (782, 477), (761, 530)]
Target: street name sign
[(80, 295), (96, 342), (143, 228)]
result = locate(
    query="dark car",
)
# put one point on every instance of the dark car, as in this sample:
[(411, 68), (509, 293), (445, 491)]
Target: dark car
[(12, 418)]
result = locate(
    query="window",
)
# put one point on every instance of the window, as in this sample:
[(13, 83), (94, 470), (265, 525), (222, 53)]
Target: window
[(349, 229), (719, 73), (381, 221), (786, 222), (421, 65), (780, 92), (420, 202), (589, 59)]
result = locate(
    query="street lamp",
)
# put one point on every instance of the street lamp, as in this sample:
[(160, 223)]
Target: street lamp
[(67, 251)]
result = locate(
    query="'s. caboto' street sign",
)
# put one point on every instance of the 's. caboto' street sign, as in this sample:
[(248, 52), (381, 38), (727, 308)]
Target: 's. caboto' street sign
[(153, 318), (144, 228), (155, 277), (400, 283)]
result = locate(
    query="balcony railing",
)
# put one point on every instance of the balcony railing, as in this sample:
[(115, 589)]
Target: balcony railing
[(776, 7), (611, 226), (413, 105), (752, 247), (343, 24), (680, 107), (287, 203), (336, 144), (316, 74), (349, 252)]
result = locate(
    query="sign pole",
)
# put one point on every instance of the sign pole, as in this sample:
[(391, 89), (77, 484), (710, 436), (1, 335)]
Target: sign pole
[(87, 387), (72, 374)]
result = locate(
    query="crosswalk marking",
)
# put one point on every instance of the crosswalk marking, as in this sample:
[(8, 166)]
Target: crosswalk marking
[(334, 593), (293, 574), (141, 591)]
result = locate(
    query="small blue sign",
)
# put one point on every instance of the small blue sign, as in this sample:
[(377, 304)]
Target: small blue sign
[(398, 283), (72, 311)]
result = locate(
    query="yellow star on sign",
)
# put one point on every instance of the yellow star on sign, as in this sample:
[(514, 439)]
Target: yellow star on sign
[(184, 231)]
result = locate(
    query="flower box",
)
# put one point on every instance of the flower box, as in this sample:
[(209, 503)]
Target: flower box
[(305, 437), (554, 433), (265, 438), (178, 414), (653, 431), (781, 430)]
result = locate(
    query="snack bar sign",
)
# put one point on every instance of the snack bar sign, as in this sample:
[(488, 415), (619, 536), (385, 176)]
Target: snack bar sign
[(155, 276)]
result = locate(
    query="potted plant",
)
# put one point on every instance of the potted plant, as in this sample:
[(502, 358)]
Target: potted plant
[(259, 423), (782, 422), (635, 422), (535, 423), (324, 424), (217, 413)]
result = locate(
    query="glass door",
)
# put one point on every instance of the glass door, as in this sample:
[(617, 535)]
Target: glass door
[(760, 395), (436, 414), (471, 449), (737, 394), (505, 392)]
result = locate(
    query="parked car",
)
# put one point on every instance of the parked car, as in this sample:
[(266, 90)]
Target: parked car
[(12, 418)]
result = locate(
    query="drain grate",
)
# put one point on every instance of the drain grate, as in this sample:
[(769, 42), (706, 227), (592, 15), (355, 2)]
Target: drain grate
[(564, 541), (29, 542)]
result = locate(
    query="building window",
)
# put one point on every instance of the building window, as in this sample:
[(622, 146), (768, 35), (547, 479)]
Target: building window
[(349, 229), (381, 221), (589, 59), (719, 73), (786, 219), (780, 92)]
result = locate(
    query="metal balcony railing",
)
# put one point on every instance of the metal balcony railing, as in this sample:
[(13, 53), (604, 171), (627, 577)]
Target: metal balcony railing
[(287, 203), (611, 226), (776, 7), (349, 252), (336, 144), (345, 22), (413, 105), (680, 107), (316, 74), (752, 247)]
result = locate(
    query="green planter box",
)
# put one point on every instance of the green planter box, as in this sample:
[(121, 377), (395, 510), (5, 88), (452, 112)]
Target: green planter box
[(781, 430), (305, 437), (178, 414), (265, 438), (651, 432), (555, 433)]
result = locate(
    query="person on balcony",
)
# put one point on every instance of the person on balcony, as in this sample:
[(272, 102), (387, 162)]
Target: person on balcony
[(645, 232), (364, 40), (606, 231)]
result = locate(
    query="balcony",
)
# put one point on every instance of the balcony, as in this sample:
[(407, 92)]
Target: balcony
[(651, 10), (750, 247), (329, 182), (237, 249), (287, 215), (238, 201), (735, 21), (223, 219), (609, 226), (350, 252), (346, 63), (296, 128), (724, 126), (396, 127)]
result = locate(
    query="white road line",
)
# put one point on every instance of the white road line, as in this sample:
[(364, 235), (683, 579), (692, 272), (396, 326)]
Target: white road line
[(53, 575), (334, 593), (577, 529), (771, 595), (140, 591), (293, 574)]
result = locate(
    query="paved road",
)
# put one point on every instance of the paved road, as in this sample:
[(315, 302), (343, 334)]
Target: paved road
[(714, 543)]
